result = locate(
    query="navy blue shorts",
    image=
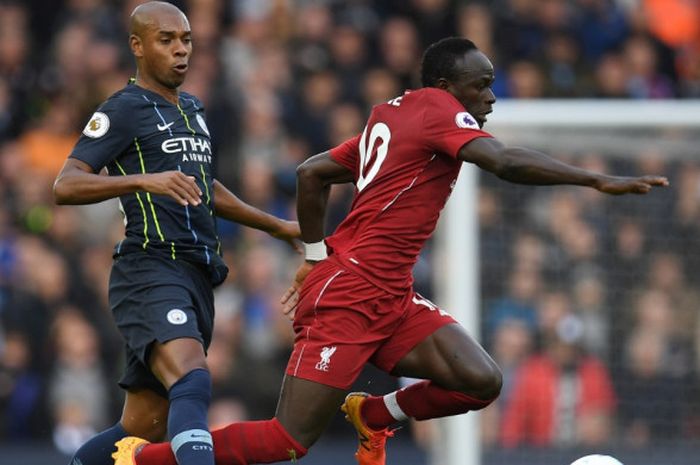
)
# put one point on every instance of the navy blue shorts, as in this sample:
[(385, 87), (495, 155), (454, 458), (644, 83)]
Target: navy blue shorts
[(154, 298)]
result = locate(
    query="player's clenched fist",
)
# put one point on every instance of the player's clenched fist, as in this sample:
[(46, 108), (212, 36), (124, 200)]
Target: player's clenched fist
[(179, 186)]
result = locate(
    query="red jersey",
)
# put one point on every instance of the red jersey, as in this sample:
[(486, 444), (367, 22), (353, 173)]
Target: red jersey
[(405, 166)]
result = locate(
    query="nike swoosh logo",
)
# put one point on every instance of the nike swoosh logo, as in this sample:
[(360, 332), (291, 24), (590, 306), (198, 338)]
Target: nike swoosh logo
[(363, 440), (163, 127)]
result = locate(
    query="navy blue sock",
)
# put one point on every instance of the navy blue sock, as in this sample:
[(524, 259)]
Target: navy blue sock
[(189, 434), (99, 449)]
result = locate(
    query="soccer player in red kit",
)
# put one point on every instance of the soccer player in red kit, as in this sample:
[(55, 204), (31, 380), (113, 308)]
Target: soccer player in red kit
[(352, 299)]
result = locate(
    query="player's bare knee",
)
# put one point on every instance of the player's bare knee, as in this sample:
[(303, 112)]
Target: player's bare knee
[(483, 383), (491, 383)]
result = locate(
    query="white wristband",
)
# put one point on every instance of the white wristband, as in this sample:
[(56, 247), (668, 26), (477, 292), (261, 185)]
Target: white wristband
[(315, 251)]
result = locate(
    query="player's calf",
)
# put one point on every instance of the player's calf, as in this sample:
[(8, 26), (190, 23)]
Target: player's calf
[(189, 399), (422, 401)]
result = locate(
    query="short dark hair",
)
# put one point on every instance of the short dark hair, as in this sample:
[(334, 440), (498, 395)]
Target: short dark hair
[(439, 59)]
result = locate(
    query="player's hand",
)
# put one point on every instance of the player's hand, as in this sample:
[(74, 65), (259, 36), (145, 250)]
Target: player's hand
[(289, 232), (618, 185), (290, 299), (178, 185)]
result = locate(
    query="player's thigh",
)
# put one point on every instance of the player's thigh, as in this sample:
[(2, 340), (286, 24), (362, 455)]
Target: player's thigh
[(145, 414), (430, 344), (454, 360), (164, 310), (305, 408), (420, 320)]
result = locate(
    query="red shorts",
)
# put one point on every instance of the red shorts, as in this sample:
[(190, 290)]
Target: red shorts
[(342, 322)]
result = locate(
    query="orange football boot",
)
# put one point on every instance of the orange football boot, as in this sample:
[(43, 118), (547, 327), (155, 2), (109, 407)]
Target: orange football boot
[(371, 449), (127, 448)]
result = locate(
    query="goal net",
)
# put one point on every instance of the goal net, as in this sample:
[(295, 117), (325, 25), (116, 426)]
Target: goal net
[(589, 303)]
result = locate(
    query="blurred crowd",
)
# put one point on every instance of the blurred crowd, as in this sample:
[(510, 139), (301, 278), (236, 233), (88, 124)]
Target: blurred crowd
[(591, 306), (589, 300)]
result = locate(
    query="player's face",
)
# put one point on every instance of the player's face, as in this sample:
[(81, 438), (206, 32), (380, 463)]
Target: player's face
[(166, 47), (472, 87)]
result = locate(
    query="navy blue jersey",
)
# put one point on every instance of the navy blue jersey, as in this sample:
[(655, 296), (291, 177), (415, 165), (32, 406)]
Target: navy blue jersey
[(138, 131)]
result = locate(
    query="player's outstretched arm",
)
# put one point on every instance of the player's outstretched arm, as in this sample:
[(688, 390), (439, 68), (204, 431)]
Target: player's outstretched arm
[(78, 184), (228, 206), (526, 166)]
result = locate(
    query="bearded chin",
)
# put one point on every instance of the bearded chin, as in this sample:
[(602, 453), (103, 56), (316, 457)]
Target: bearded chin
[(173, 82)]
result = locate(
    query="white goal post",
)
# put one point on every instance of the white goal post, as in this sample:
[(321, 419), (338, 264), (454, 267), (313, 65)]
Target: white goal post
[(546, 123)]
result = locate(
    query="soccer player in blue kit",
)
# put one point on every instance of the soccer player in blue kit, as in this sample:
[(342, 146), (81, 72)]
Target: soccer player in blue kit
[(154, 143)]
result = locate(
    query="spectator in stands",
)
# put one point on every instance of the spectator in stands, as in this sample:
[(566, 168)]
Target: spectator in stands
[(79, 392), (589, 294), (666, 274), (628, 255), (48, 144), (379, 85), (399, 46), (611, 77), (512, 344), (561, 396), (651, 401), (21, 389), (653, 310), (493, 239), (525, 80), (16, 73), (519, 303), (645, 80)]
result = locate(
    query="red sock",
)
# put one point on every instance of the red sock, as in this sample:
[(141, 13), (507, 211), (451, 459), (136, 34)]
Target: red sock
[(241, 443), (426, 400), (422, 401), (375, 413)]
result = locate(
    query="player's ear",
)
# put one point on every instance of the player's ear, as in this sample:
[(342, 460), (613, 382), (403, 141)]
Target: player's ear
[(442, 83), (136, 45)]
